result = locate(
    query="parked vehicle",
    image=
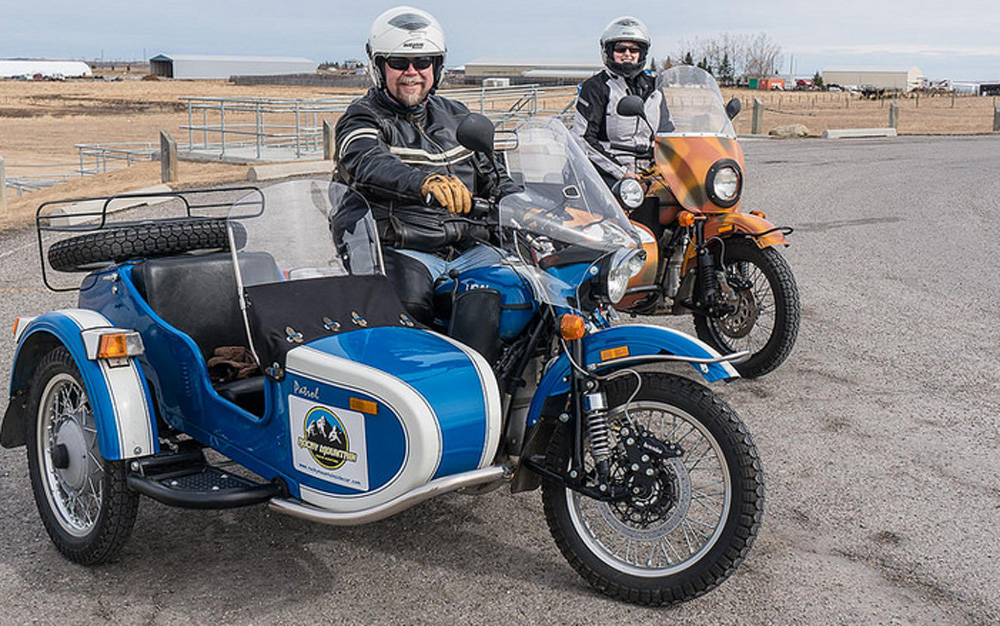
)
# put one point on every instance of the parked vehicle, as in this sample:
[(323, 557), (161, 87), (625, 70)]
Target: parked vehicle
[(337, 407), (705, 257)]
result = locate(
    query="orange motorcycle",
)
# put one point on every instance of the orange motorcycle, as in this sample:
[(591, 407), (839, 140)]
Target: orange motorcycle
[(705, 257)]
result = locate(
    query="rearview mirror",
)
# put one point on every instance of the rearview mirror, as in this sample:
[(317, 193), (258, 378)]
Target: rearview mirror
[(733, 108), (475, 132), (631, 106)]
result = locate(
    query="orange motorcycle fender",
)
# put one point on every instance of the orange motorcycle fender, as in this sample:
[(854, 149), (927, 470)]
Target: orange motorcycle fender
[(763, 232)]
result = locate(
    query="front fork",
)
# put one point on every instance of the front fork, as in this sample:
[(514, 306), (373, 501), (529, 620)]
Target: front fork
[(711, 295)]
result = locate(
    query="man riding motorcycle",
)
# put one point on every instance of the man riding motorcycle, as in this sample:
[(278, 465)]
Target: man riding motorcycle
[(396, 145), (620, 146)]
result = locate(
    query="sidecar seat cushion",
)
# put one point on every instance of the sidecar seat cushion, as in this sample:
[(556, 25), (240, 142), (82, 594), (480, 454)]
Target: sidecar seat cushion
[(197, 294)]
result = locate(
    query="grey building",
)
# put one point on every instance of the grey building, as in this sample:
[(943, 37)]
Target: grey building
[(193, 66)]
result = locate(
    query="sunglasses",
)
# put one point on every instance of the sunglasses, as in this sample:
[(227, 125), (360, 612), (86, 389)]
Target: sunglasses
[(400, 64), (623, 49)]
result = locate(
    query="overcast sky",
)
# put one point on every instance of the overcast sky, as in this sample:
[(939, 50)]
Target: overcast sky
[(956, 39)]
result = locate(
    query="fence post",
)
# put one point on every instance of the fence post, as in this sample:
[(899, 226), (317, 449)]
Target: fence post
[(758, 117), (327, 141), (3, 187), (996, 128), (893, 115), (168, 158)]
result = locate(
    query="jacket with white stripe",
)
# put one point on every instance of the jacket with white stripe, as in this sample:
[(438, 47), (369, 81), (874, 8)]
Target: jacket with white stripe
[(386, 151)]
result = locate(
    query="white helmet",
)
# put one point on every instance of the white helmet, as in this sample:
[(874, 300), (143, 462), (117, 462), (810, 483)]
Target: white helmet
[(624, 28), (404, 31)]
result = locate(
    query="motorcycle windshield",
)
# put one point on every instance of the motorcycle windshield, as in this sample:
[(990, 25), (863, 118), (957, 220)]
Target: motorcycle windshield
[(291, 221), (564, 198), (566, 211), (695, 103)]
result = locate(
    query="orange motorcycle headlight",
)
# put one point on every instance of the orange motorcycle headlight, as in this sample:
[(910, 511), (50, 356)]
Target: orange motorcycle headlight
[(724, 183)]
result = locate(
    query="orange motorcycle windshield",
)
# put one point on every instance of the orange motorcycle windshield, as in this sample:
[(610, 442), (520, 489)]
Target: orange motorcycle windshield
[(683, 161)]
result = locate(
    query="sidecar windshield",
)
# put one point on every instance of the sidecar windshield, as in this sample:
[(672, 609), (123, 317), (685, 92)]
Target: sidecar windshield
[(695, 102), (292, 225), (564, 198)]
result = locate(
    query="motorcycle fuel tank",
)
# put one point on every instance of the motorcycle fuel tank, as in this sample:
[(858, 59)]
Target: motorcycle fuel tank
[(373, 414)]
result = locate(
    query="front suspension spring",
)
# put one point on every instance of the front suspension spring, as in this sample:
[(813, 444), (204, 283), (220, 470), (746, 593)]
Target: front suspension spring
[(600, 440)]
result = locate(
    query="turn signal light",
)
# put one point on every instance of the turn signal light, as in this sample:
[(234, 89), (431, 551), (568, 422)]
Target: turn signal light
[(685, 219), (119, 345), (759, 214), (571, 327)]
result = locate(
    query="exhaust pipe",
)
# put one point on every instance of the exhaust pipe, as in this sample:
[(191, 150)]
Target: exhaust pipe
[(432, 489)]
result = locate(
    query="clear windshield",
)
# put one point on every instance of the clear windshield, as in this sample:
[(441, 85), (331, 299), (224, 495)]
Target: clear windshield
[(292, 225), (695, 102), (564, 198)]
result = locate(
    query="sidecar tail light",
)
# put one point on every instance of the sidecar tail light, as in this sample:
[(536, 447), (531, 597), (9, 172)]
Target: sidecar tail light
[(572, 327), (119, 345)]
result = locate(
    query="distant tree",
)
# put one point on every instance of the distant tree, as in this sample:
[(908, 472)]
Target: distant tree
[(818, 79), (688, 59), (652, 63), (667, 63), (725, 73), (705, 65)]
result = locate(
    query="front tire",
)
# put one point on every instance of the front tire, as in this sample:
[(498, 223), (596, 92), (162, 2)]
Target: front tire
[(766, 320), (83, 499), (685, 535)]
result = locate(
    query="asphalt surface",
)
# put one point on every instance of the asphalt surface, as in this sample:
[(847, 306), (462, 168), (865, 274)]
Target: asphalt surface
[(879, 438)]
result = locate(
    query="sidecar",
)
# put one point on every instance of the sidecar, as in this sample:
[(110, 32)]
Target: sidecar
[(151, 385)]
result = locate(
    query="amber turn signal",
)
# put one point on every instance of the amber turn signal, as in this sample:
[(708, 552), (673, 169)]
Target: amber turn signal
[(759, 214), (685, 219), (571, 327), (119, 345)]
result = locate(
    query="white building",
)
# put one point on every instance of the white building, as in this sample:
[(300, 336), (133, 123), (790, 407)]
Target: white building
[(194, 66), (47, 69), (497, 67), (879, 78)]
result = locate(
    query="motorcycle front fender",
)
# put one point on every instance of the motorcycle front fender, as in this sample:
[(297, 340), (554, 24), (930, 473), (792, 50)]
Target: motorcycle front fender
[(119, 397), (633, 344), (764, 233)]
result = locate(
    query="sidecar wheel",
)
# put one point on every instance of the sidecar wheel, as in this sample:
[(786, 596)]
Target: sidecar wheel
[(83, 499), (141, 240), (766, 321), (685, 534)]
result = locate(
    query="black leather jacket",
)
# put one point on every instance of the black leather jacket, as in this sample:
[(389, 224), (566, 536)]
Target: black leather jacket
[(386, 151)]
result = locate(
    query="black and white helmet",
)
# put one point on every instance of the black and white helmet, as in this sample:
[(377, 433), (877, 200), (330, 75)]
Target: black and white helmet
[(625, 28), (404, 31)]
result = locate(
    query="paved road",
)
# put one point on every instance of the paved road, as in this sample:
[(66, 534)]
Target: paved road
[(879, 438)]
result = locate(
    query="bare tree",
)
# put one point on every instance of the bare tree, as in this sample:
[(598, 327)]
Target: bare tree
[(742, 56)]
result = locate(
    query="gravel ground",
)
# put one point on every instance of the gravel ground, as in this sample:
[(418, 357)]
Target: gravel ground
[(878, 436)]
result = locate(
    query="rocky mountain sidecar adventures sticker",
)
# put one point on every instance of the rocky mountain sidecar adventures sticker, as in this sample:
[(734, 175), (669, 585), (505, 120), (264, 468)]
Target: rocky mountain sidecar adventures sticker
[(329, 443)]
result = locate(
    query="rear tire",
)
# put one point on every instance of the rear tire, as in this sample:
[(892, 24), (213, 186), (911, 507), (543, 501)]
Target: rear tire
[(83, 499), (686, 535)]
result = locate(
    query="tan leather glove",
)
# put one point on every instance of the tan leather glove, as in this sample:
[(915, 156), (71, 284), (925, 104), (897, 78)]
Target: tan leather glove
[(449, 191)]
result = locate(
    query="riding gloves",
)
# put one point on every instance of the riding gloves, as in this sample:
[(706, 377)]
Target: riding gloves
[(449, 191)]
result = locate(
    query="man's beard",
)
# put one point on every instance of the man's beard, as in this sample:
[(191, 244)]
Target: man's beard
[(411, 99)]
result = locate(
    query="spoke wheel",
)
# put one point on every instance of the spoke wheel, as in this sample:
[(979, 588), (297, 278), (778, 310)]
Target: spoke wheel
[(83, 499), (687, 522), (760, 285)]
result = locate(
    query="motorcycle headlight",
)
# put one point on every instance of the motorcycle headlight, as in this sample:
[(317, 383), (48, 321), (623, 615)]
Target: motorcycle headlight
[(629, 192), (724, 183), (617, 270)]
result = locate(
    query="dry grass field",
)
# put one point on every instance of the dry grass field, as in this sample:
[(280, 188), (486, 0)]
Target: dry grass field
[(41, 122)]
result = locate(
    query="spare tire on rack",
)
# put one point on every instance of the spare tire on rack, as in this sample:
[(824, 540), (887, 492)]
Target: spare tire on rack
[(141, 240)]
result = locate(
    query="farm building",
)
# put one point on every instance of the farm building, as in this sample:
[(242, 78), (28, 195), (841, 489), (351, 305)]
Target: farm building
[(888, 79), (10, 68), (193, 66), (526, 70)]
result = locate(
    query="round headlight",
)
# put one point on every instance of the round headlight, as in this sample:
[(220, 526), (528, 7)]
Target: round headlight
[(624, 265), (630, 192), (724, 183)]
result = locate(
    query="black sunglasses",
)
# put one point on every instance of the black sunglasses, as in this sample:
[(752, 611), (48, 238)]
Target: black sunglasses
[(633, 49), (400, 64)]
